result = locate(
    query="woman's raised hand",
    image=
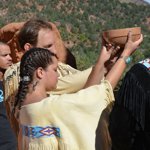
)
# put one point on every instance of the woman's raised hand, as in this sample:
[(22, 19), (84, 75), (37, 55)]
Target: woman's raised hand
[(131, 46)]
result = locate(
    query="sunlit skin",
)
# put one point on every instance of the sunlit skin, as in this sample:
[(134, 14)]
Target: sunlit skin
[(46, 40), (5, 58), (51, 75), (46, 81), (113, 58)]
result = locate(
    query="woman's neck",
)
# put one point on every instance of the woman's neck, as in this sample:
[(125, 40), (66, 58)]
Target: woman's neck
[(35, 96)]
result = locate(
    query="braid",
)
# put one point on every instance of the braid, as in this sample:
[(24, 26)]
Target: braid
[(31, 60), (22, 91)]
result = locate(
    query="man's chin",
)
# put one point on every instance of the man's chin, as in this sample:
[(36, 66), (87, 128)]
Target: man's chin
[(9, 64)]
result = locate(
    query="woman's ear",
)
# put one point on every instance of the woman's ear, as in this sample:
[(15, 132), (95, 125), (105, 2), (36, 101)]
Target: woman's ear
[(40, 73)]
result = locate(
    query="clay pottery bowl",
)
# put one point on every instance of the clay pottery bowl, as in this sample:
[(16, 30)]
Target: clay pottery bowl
[(119, 36)]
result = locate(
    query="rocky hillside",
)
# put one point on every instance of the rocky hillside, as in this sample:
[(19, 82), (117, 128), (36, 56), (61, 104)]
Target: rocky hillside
[(82, 22), (137, 2)]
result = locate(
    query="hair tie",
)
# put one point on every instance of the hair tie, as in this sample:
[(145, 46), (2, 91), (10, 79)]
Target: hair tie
[(25, 78)]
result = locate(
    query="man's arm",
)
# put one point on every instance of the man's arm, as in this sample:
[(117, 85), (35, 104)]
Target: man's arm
[(72, 82)]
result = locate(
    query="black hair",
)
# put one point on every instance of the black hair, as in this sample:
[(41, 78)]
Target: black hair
[(31, 60)]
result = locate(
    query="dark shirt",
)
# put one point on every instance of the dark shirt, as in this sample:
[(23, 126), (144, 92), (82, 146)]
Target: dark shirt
[(1, 91), (8, 140)]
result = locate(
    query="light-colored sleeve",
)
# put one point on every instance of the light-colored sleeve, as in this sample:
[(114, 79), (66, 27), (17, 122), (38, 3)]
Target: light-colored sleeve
[(11, 82), (71, 80), (76, 114), (94, 98), (80, 112)]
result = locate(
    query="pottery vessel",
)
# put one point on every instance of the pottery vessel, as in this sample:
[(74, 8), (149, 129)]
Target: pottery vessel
[(119, 36)]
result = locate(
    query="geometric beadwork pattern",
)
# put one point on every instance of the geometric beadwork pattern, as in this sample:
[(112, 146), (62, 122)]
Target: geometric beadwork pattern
[(38, 131)]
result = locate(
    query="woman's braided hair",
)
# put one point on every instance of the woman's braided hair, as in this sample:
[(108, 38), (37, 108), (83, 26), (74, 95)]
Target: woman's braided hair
[(31, 60)]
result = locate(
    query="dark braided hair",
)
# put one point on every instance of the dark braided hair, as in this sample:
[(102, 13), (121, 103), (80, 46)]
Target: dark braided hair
[(31, 60)]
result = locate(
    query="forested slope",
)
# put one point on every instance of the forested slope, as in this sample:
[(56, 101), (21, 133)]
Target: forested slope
[(82, 22)]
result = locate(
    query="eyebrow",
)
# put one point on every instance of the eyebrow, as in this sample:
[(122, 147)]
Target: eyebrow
[(48, 45), (5, 53)]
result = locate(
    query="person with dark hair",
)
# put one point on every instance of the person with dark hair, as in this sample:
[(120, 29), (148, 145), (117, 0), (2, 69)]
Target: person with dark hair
[(7, 137), (39, 33), (130, 117), (54, 122), (56, 129), (70, 80)]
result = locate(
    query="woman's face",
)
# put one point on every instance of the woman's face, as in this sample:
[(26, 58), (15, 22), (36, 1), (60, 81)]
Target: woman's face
[(51, 75)]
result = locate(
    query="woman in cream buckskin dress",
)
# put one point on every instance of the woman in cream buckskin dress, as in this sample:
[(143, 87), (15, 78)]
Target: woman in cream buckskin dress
[(67, 121)]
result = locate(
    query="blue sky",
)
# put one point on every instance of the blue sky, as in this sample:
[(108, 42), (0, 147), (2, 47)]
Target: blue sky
[(147, 1)]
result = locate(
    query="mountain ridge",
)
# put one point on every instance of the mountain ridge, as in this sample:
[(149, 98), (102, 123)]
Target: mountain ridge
[(81, 24), (138, 2)]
